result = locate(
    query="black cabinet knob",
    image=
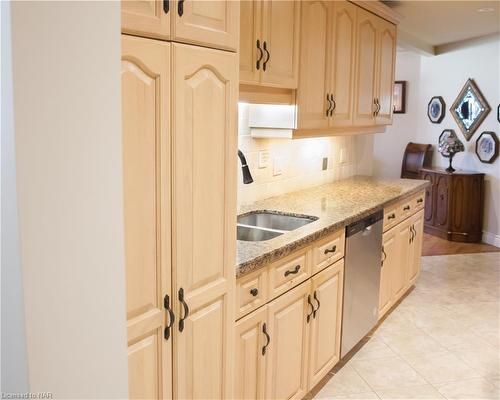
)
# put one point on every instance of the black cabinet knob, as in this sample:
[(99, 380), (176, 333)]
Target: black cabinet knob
[(254, 292)]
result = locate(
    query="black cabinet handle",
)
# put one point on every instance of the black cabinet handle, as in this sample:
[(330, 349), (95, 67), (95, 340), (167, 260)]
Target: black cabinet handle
[(268, 56), (385, 255), (186, 310), (293, 271), (180, 7), (334, 105), (319, 304), (254, 292), (171, 316), (308, 318), (378, 106), (268, 338), (406, 208), (166, 6), (391, 216), (420, 200), (332, 250), (260, 55), (375, 104), (329, 104)]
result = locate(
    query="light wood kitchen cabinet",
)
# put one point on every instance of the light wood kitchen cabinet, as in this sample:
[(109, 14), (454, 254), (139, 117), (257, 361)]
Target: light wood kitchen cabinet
[(375, 65), (205, 23), (388, 266), (399, 279), (269, 43), (327, 60), (415, 259), (385, 71), (250, 351), (326, 322), (145, 75), (286, 370), (204, 197)]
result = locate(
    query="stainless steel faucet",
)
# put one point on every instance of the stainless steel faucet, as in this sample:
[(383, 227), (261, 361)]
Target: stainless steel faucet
[(247, 176)]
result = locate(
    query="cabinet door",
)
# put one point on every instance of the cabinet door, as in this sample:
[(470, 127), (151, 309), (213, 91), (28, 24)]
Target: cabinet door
[(366, 56), (314, 79), (286, 371), (400, 270), (324, 339), (145, 74), (280, 32), (389, 264), (442, 195), (416, 247), (343, 56), (145, 18), (251, 354), (250, 28), (385, 70), (211, 23), (204, 194), (429, 197)]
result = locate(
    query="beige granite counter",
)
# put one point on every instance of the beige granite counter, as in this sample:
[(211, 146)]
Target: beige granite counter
[(335, 205)]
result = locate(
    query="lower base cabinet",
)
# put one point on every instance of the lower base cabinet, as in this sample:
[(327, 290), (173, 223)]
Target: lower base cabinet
[(284, 348), (401, 260)]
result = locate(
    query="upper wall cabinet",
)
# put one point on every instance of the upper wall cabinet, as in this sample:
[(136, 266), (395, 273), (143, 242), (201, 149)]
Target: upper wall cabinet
[(325, 92), (205, 23), (269, 43), (375, 59)]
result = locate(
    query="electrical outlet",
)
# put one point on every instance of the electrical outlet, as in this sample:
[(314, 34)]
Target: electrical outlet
[(263, 158), (343, 156), (278, 166), (324, 167)]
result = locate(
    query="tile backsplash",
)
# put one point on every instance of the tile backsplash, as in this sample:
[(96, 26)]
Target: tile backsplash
[(300, 161)]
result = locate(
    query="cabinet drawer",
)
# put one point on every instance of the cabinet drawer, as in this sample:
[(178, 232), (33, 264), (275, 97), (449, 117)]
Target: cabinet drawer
[(406, 209), (391, 216), (328, 250), (251, 292), (419, 202), (288, 272)]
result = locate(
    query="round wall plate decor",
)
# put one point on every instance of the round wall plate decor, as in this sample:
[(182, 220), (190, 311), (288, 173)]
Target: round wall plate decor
[(436, 109), (487, 147)]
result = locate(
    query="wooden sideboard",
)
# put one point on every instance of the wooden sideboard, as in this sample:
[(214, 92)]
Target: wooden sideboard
[(454, 204)]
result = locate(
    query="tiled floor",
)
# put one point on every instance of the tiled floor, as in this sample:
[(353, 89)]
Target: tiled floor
[(442, 341)]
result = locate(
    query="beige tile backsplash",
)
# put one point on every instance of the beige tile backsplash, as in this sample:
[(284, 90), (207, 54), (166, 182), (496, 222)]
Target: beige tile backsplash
[(301, 162)]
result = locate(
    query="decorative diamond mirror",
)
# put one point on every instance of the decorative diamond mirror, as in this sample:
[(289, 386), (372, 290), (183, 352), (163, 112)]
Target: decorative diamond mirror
[(469, 109)]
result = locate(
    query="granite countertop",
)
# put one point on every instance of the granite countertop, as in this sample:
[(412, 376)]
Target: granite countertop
[(335, 205)]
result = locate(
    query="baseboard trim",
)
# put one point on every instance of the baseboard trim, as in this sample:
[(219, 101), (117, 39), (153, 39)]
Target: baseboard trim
[(491, 238)]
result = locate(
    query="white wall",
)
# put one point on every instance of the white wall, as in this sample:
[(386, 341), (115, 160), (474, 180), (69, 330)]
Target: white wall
[(301, 159), (14, 361), (67, 107), (444, 75)]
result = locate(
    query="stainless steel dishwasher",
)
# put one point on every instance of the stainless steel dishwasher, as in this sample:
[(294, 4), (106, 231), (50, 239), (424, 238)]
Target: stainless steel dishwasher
[(361, 279)]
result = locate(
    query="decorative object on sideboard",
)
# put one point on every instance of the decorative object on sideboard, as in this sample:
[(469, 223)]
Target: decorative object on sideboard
[(487, 147), (449, 145), (399, 98), (436, 109), (469, 109)]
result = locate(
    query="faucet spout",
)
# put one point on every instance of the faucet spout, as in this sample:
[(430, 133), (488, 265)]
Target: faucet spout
[(247, 176)]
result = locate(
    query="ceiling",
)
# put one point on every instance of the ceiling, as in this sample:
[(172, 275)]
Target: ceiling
[(436, 23)]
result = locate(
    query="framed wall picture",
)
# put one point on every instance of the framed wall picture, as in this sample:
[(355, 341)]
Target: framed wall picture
[(399, 97), (487, 147), (436, 109)]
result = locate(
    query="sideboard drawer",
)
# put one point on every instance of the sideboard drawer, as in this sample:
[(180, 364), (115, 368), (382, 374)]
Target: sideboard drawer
[(251, 292), (288, 272), (328, 250)]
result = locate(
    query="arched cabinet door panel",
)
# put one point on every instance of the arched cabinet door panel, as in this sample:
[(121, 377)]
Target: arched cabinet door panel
[(147, 18), (204, 101), (145, 76)]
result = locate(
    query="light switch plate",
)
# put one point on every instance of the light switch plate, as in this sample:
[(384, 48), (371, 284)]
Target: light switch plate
[(263, 158)]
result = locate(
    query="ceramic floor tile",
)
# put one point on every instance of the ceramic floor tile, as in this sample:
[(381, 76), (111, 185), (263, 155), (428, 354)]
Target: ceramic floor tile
[(387, 373), (414, 341), (414, 392), (469, 389), (441, 368), (355, 396), (373, 349), (345, 381)]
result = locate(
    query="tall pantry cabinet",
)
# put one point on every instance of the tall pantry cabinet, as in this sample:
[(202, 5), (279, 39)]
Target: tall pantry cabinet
[(179, 104)]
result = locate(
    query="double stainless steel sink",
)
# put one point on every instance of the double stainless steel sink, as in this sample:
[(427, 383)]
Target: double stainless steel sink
[(265, 225)]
